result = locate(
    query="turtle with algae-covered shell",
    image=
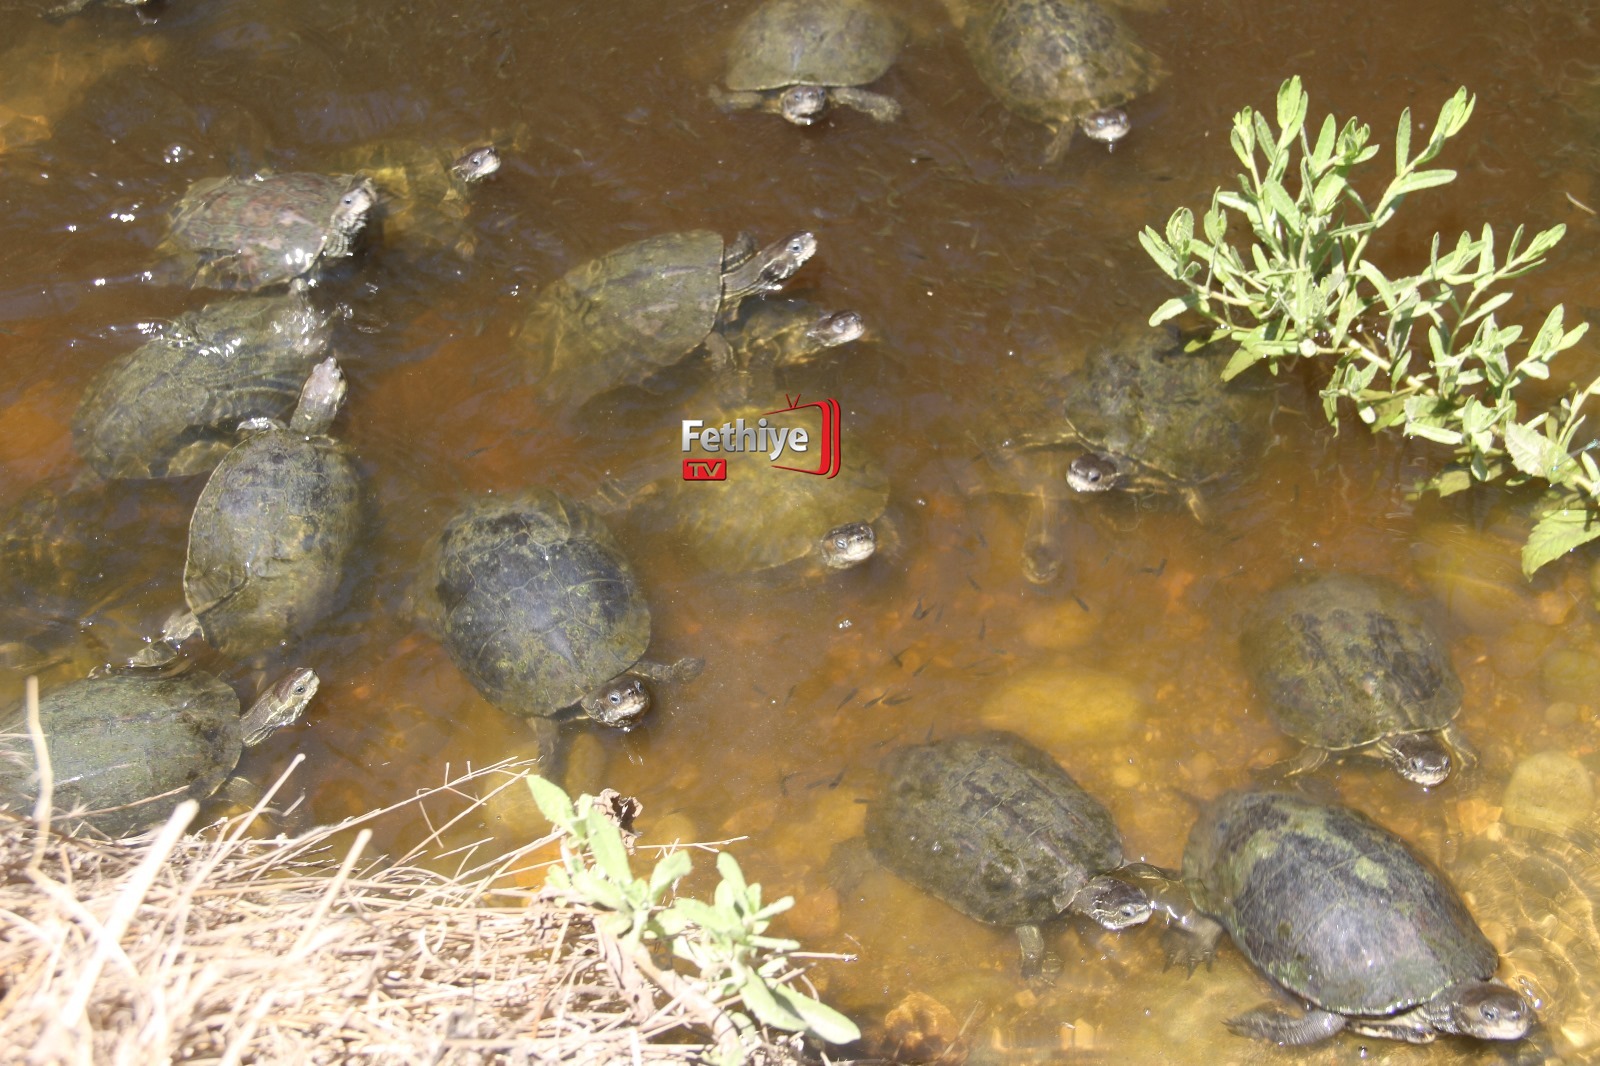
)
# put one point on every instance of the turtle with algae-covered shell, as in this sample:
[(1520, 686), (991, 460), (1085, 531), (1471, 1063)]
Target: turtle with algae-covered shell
[(996, 828), (539, 608), (126, 748), (1070, 64), (273, 529), (1345, 662), (249, 233), (796, 58), (618, 319), (424, 189), (172, 407), (1345, 917)]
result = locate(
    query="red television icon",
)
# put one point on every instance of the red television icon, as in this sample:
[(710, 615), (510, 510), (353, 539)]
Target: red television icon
[(829, 455), (705, 470)]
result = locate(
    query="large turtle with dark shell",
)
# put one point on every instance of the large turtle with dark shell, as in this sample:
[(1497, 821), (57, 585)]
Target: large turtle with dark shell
[(172, 407), (126, 748), (1345, 662), (273, 528), (1069, 64), (1347, 918), (618, 319), (996, 828), (539, 608), (249, 233), (796, 58)]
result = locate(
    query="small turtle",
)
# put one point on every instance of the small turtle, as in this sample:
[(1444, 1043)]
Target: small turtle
[(996, 828), (634, 311), (1069, 64), (796, 57), (250, 233), (1345, 917), (1345, 662), (172, 407), (540, 610), (424, 189), (772, 336), (126, 748), (273, 529)]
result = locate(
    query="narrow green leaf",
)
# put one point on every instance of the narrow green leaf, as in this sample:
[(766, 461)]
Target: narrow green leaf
[(1242, 360), (1422, 179), (728, 867), (1557, 533), (1157, 249), (1277, 198), (1386, 292), (1402, 142), (1180, 231), (605, 844), (552, 801), (1292, 104), (822, 1021), (759, 998), (1433, 433), (1216, 223), (671, 869), (1171, 309), (598, 891), (1322, 154)]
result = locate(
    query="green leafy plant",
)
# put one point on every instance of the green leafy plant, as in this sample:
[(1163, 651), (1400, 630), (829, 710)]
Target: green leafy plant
[(1421, 351), (724, 941)]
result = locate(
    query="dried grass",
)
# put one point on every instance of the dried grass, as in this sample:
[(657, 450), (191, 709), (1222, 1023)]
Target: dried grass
[(224, 948)]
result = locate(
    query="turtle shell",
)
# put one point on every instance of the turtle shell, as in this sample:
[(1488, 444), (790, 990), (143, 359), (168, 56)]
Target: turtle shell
[(1164, 414), (537, 604), (618, 319), (813, 42), (126, 748), (255, 232), (172, 407), (1058, 60), (1335, 908), (1344, 660), (992, 825), (269, 540)]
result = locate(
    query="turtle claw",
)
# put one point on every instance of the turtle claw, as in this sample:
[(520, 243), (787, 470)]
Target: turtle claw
[(1185, 949)]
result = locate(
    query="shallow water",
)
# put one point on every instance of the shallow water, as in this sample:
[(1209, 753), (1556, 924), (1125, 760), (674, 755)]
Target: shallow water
[(977, 270)]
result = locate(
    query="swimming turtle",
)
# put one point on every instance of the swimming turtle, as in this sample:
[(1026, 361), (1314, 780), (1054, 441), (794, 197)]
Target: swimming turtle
[(771, 336), (995, 827), (1069, 64), (795, 58), (127, 747), (273, 528), (541, 611), (1345, 662), (249, 233), (618, 319), (1347, 918), (172, 407), (424, 189)]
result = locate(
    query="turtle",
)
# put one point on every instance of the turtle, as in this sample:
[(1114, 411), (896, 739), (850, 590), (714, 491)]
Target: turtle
[(995, 827), (128, 746), (795, 58), (1069, 64), (771, 336), (423, 188), (1346, 917), (539, 608), (251, 233), (273, 529), (618, 319), (172, 406), (1345, 662)]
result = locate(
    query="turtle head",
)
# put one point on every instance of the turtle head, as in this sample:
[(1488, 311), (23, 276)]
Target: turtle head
[(1487, 1010), (1108, 126), (1041, 561), (849, 545), (1418, 757), (351, 214), (1091, 473), (781, 259), (1112, 902), (475, 164), (803, 104), (619, 702), (828, 331), (281, 704)]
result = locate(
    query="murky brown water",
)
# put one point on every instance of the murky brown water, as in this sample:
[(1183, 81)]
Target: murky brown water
[(976, 269)]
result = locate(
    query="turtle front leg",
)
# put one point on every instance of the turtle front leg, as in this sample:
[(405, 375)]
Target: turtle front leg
[(1042, 557), (1309, 758), (1060, 141), (1289, 1030), (1037, 963), (742, 100), (1412, 1027), (874, 105)]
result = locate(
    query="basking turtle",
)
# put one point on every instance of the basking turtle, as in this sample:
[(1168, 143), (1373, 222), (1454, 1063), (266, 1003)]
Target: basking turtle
[(996, 828), (620, 318), (1069, 64), (1345, 917), (126, 748), (424, 189), (796, 57), (172, 407), (273, 528), (1345, 662), (250, 233), (540, 610)]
